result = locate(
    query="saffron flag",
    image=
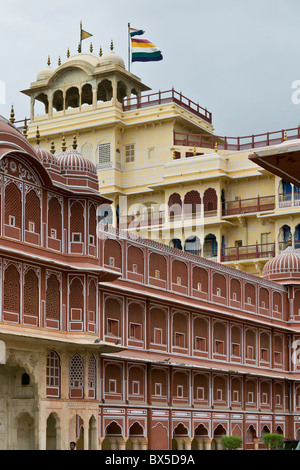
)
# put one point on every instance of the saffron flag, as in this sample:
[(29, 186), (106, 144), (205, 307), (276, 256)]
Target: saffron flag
[(135, 32), (84, 34), (144, 51)]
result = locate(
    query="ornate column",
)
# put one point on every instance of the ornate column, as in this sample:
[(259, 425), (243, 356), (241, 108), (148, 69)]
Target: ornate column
[(207, 443)]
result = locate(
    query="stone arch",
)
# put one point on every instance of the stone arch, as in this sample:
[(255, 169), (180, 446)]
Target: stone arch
[(25, 432), (104, 90), (53, 432), (192, 245), (210, 202), (72, 98), (43, 98), (174, 206), (113, 254), (32, 212), (58, 100), (86, 94), (192, 203), (93, 433)]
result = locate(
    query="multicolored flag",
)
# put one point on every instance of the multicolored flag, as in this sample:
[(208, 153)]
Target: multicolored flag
[(135, 32), (144, 51)]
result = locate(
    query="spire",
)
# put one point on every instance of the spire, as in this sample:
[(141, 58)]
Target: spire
[(91, 48), (63, 143), (74, 145), (111, 45), (48, 61), (12, 114), (25, 129), (59, 61), (68, 53), (79, 48), (290, 240), (37, 136), (52, 149), (216, 147), (100, 52)]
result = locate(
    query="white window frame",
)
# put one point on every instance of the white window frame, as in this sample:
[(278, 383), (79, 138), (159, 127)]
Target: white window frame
[(129, 153)]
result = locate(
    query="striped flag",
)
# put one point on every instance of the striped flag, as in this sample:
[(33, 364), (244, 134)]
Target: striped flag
[(144, 51), (135, 32)]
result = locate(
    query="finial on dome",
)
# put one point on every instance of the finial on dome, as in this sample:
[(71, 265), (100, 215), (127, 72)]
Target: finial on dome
[(63, 143), (48, 61), (68, 53), (290, 240), (91, 48), (59, 61), (195, 152), (25, 129), (79, 48), (111, 45), (37, 136), (216, 147), (52, 149), (100, 52), (12, 114), (74, 145)]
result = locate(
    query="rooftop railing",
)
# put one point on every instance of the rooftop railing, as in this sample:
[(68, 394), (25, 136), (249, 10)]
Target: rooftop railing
[(163, 97), (236, 143)]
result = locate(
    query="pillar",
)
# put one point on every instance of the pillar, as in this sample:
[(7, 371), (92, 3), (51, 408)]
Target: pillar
[(256, 442), (122, 443), (219, 443), (207, 443)]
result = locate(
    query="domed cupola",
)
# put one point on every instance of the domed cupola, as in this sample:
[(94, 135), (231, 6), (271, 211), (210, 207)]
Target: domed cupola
[(284, 268), (77, 169), (47, 157), (111, 58), (45, 73), (74, 163)]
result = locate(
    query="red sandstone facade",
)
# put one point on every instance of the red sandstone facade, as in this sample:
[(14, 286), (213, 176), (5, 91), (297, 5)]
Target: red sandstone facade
[(194, 349)]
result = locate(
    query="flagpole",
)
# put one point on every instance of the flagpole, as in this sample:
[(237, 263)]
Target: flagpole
[(80, 35), (128, 47)]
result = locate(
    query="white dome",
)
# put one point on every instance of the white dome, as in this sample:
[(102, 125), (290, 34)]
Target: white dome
[(89, 58), (45, 73), (112, 58)]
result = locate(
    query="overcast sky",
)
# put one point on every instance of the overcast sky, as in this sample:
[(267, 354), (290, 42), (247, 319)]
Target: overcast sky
[(237, 58)]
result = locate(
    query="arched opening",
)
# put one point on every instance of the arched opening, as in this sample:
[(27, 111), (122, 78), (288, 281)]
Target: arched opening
[(180, 439), (136, 440), (210, 202), (176, 243), (53, 432), (216, 443), (86, 94), (113, 437), (192, 204), (72, 98), (58, 100), (174, 206), (210, 247), (200, 438), (192, 245), (42, 98), (121, 91), (25, 432), (104, 91), (284, 237)]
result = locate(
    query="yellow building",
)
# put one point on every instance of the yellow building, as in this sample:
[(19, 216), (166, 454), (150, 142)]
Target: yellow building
[(168, 175)]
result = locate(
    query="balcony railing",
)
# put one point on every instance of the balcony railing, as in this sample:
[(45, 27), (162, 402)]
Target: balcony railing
[(245, 206), (289, 199), (236, 143), (163, 97), (236, 253), (142, 220)]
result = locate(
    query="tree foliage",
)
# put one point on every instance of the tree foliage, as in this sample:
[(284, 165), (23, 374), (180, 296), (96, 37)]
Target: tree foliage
[(231, 442), (273, 441)]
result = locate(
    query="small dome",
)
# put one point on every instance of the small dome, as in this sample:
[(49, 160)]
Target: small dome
[(89, 58), (71, 161), (45, 73), (48, 159), (112, 58), (283, 267)]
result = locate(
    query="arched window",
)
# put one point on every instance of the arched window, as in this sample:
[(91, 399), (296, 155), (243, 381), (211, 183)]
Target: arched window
[(13, 206), (54, 219), (58, 100), (192, 203), (174, 206), (210, 201), (53, 377), (72, 98), (77, 222), (11, 294), (32, 213), (53, 298), (92, 377), (76, 376), (86, 94), (76, 304), (31, 293)]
